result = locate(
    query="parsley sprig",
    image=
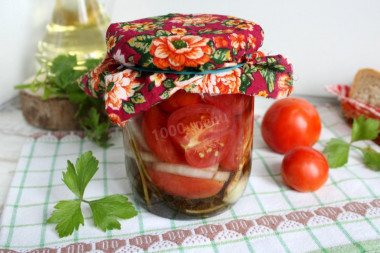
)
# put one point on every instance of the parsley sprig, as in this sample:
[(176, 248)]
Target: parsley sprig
[(60, 80), (105, 211), (338, 150)]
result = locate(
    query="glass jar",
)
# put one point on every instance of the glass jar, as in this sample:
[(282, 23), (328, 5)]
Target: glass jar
[(190, 155)]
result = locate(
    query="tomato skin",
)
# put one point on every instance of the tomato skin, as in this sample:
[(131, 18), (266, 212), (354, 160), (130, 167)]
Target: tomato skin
[(290, 122), (304, 169), (163, 147), (203, 132), (187, 187), (179, 99), (241, 141), (233, 103)]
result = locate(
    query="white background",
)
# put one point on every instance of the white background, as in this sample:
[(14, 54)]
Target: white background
[(327, 41)]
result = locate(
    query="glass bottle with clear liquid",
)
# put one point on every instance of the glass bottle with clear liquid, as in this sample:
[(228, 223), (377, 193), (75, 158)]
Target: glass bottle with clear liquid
[(77, 27)]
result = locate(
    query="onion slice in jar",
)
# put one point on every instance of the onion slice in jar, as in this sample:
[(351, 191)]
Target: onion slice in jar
[(236, 188), (188, 171)]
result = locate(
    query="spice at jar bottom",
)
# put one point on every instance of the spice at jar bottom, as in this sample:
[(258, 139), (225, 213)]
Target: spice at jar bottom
[(193, 160)]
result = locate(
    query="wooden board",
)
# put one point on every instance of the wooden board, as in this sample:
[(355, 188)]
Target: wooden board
[(52, 114)]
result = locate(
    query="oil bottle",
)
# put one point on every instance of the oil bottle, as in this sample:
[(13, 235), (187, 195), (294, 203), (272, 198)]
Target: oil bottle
[(77, 27)]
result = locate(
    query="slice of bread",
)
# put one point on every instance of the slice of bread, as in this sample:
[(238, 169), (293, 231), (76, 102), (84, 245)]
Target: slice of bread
[(366, 87)]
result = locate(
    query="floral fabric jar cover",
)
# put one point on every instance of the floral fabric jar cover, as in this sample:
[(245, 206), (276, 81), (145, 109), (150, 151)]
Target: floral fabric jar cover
[(148, 60)]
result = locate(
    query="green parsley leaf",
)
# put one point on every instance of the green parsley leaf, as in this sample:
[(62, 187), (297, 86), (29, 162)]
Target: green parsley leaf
[(363, 129), (63, 70), (63, 63), (76, 95), (95, 130), (337, 153), (70, 178), (91, 63), (60, 80), (78, 178), (86, 166), (106, 211), (371, 158), (68, 215)]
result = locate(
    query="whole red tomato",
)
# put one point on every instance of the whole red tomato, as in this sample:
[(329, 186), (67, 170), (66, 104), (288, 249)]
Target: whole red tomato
[(290, 122), (304, 169)]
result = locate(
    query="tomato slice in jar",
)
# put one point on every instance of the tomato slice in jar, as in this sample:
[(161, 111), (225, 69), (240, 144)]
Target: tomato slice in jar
[(157, 138), (180, 99), (208, 152), (241, 141), (203, 131), (234, 103), (187, 187)]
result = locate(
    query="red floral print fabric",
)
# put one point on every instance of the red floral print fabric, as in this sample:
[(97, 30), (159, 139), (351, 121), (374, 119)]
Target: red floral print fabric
[(148, 60), (184, 42)]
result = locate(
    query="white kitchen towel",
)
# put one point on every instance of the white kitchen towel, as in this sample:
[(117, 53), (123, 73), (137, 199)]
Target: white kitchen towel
[(342, 216)]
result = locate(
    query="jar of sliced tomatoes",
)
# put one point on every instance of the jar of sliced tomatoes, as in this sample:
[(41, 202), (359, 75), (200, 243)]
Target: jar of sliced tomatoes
[(182, 87), (191, 153)]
